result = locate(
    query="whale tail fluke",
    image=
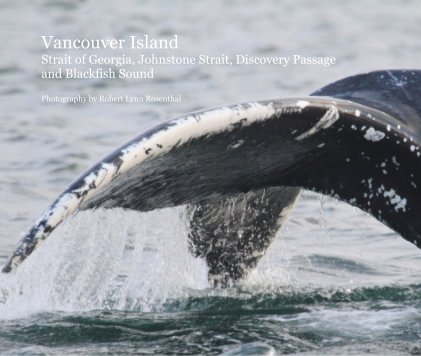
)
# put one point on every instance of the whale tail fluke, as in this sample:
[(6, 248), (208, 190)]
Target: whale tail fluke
[(240, 168)]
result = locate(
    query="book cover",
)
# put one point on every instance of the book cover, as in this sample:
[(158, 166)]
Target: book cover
[(210, 177)]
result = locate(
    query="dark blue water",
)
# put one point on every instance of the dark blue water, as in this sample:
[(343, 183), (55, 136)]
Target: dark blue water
[(375, 320), (335, 281), (262, 323)]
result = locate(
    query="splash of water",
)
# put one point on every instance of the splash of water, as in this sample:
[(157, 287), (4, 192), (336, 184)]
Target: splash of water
[(106, 259)]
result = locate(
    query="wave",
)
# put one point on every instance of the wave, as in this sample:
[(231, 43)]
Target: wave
[(139, 262), (239, 322), (291, 300)]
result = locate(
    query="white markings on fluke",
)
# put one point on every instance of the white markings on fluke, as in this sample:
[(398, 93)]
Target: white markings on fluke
[(177, 132), (373, 135), (327, 120), (235, 144), (396, 200), (302, 103)]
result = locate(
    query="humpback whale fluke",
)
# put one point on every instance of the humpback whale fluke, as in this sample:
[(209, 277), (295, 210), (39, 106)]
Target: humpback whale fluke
[(240, 168)]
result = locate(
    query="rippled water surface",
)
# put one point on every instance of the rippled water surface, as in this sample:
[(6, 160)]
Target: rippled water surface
[(335, 281)]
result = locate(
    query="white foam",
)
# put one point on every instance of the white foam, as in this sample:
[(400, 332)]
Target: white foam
[(360, 322), (106, 259)]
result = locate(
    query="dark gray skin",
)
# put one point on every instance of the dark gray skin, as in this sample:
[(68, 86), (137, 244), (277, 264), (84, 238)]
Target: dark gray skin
[(233, 233), (237, 196)]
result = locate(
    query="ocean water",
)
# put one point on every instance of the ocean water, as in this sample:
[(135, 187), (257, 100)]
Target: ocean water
[(335, 281)]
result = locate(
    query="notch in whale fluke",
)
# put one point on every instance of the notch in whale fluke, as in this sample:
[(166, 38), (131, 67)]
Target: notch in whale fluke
[(356, 139)]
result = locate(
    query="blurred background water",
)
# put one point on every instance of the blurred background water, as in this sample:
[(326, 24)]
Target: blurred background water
[(335, 281)]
